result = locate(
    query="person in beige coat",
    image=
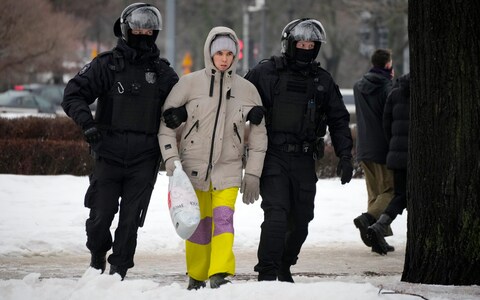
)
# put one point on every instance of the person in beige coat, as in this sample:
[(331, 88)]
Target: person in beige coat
[(215, 104)]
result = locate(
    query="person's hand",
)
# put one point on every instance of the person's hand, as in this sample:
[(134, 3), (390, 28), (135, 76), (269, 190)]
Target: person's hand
[(345, 169), (255, 115), (170, 166), (250, 188), (92, 135), (174, 117)]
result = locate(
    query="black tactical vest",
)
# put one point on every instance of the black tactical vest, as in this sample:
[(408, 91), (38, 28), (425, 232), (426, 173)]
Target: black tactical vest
[(294, 104), (135, 100)]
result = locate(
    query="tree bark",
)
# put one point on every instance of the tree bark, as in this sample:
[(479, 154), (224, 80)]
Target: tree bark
[(443, 238)]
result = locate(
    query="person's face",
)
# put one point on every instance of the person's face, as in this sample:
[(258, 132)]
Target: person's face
[(389, 65), (142, 32), (306, 45), (223, 60)]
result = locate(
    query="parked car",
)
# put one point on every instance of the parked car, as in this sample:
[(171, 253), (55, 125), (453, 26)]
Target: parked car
[(24, 102), (51, 92)]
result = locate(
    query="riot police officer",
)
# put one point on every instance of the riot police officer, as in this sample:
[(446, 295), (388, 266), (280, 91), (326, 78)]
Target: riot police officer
[(301, 99), (131, 83)]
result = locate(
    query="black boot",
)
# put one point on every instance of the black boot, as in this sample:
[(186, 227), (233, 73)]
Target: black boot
[(284, 274), (362, 222), (376, 234), (266, 277), (122, 271), (194, 284), (98, 261), (218, 279)]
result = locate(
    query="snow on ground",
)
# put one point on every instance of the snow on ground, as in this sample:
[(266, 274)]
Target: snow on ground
[(44, 216)]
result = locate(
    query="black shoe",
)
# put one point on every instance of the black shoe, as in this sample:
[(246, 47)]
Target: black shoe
[(118, 270), (194, 284), (217, 280), (362, 222), (266, 277), (376, 235), (379, 245), (98, 261), (284, 274)]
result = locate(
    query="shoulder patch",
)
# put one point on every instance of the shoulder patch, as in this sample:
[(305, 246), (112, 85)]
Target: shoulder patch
[(84, 69)]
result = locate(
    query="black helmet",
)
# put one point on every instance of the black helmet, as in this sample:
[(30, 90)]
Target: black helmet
[(305, 29), (137, 16)]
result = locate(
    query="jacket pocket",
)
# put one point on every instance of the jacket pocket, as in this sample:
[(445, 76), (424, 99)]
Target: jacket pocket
[(193, 127), (191, 141), (237, 139)]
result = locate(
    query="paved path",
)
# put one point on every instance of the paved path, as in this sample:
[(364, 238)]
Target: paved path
[(324, 262), (345, 263)]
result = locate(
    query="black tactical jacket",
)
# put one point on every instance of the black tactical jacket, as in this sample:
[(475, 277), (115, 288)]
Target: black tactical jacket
[(96, 81)]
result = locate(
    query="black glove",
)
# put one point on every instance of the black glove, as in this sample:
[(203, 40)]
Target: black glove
[(174, 117), (345, 169), (92, 135), (255, 115)]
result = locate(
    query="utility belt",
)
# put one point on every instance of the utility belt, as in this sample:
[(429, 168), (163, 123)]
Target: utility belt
[(294, 148), (316, 148)]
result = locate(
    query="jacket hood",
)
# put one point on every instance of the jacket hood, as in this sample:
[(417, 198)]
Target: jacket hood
[(371, 82), (220, 30)]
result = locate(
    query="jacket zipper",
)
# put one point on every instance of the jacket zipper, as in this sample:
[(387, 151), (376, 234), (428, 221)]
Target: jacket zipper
[(235, 128), (215, 127), (195, 125)]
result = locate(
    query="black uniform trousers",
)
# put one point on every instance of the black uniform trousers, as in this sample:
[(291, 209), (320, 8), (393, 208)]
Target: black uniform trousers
[(287, 187), (399, 200), (109, 182)]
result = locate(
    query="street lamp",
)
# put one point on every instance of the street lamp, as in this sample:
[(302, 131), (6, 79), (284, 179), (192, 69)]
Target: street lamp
[(259, 6)]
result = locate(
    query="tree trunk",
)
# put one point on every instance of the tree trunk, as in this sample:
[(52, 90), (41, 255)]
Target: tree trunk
[(443, 239)]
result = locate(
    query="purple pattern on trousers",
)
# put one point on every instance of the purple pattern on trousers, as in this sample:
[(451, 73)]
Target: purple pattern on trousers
[(203, 233), (223, 220)]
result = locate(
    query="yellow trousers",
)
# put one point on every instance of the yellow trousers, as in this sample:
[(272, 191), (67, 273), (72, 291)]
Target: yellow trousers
[(210, 249)]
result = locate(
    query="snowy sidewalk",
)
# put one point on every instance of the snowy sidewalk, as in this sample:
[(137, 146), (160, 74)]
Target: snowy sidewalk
[(342, 263), (332, 262), (43, 253)]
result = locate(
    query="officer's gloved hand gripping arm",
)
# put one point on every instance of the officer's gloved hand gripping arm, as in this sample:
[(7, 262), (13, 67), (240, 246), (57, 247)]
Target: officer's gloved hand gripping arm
[(255, 115), (174, 117)]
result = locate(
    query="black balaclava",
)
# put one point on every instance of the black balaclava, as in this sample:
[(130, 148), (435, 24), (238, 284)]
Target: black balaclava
[(304, 56), (140, 42)]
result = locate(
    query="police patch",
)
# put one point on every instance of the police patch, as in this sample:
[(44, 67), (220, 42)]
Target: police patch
[(84, 69), (150, 77)]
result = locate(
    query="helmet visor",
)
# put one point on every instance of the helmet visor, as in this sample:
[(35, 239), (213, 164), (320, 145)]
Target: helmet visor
[(146, 17), (309, 30)]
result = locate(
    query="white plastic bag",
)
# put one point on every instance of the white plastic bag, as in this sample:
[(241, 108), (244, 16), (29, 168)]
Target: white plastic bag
[(183, 203)]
